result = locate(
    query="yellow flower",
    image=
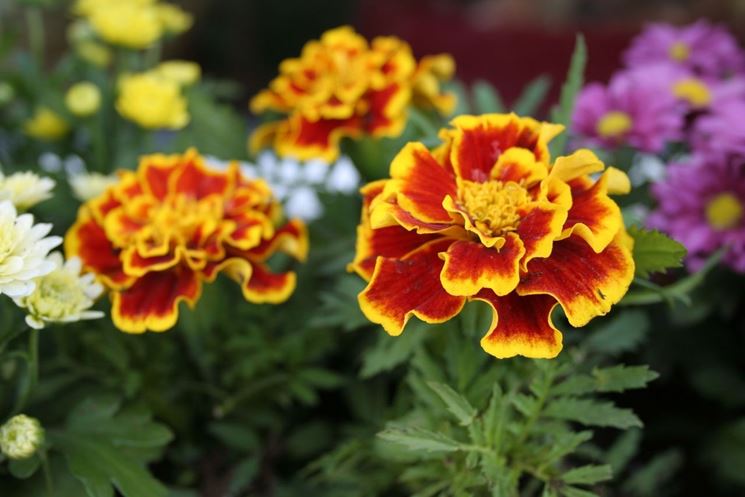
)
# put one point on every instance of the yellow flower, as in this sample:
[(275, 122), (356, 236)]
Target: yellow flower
[(173, 19), (62, 296), (21, 437), (83, 99), (94, 53), (127, 24), (182, 72), (25, 189), (152, 102), (46, 125), (87, 7)]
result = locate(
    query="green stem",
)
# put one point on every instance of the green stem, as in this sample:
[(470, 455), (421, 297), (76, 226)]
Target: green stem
[(35, 28), (33, 372), (48, 482)]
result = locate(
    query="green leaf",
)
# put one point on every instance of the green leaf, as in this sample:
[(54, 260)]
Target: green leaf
[(592, 413), (588, 475), (463, 411), (486, 99), (575, 77), (104, 444), (648, 480), (623, 450), (577, 492), (623, 333), (24, 468), (620, 378), (418, 439), (579, 384), (655, 252), (234, 435), (389, 352), (532, 96)]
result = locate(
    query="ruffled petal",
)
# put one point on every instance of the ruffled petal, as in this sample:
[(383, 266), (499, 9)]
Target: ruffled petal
[(521, 325), (594, 216), (540, 224), (391, 241), (585, 283), (258, 284), (470, 267), (136, 265), (410, 286), (194, 180), (290, 239), (151, 303)]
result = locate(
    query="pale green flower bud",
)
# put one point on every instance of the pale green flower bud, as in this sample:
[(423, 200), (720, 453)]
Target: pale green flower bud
[(21, 437)]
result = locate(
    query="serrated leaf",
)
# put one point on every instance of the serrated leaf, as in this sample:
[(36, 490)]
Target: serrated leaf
[(388, 352), (577, 492), (458, 405), (623, 333), (524, 403), (566, 443), (486, 99), (621, 377), (532, 96), (623, 450), (579, 384), (562, 114), (592, 413), (418, 439), (655, 251), (588, 475)]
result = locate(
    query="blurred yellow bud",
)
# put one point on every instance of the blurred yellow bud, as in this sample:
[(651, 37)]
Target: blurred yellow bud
[(173, 19), (152, 101), (182, 72), (83, 99), (46, 125), (127, 24), (94, 53)]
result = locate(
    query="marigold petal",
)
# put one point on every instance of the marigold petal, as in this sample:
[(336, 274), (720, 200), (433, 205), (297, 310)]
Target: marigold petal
[(151, 303), (470, 267), (594, 216), (258, 284), (585, 283), (304, 139), (521, 325), (136, 265), (87, 240), (410, 286), (580, 163), (194, 180), (540, 224), (420, 184), (155, 172), (290, 239), (387, 114), (518, 165), (618, 181), (391, 241)]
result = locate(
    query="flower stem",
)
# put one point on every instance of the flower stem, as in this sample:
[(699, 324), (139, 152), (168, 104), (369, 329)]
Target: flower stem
[(33, 372), (35, 28)]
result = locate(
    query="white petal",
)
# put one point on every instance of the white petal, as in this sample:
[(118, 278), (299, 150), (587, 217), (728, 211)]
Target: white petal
[(315, 171), (344, 177)]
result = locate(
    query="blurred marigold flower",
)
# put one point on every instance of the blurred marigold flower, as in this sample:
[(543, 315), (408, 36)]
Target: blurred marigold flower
[(343, 86), (152, 101), (94, 53), (181, 72), (83, 99), (25, 189), (173, 18), (487, 216), (128, 23), (46, 125), (160, 232), (23, 251), (62, 296), (20, 437)]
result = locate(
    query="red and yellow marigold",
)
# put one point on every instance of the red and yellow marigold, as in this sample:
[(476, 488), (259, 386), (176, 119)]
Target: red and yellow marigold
[(343, 86), (487, 216), (160, 232)]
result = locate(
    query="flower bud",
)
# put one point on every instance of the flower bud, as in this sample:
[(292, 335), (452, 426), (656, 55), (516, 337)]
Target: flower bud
[(21, 437), (83, 99)]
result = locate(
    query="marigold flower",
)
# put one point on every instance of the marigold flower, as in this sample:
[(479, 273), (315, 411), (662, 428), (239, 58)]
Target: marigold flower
[(62, 296), (152, 101), (343, 86), (160, 232), (20, 437), (23, 251), (83, 99), (487, 216), (127, 23), (25, 189), (46, 125)]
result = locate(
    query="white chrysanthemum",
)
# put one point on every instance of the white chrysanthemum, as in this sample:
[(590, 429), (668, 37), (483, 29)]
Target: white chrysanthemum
[(86, 186), (21, 437), (24, 247), (62, 296), (25, 189), (297, 184)]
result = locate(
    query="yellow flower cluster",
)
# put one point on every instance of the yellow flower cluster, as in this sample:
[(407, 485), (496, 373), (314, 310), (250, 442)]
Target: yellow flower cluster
[(154, 99), (135, 24)]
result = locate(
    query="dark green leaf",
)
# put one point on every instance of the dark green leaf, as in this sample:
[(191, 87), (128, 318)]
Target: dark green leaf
[(654, 252), (575, 77), (463, 411), (486, 99), (532, 96), (592, 413), (418, 439), (588, 475), (620, 378)]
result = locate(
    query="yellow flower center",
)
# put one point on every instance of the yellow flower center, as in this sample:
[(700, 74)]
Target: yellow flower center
[(679, 51), (724, 211), (614, 124), (177, 219), (57, 295), (694, 91), (493, 205)]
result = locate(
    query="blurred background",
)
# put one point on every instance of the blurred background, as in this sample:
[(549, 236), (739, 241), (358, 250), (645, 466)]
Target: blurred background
[(507, 42)]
